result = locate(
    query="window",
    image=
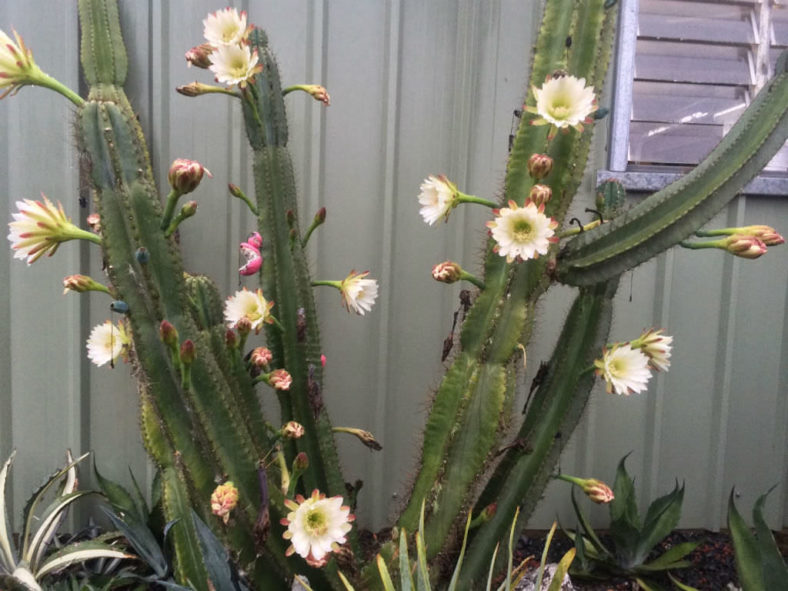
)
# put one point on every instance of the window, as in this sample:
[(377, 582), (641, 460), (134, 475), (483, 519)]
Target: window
[(686, 69)]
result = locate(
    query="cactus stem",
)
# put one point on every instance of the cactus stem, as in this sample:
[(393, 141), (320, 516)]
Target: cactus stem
[(463, 198), (172, 200), (337, 284), (465, 276)]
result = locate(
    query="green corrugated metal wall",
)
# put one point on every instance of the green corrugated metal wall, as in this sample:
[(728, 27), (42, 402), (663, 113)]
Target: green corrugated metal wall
[(417, 88)]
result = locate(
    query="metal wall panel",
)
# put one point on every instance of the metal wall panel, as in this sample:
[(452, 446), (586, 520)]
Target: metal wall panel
[(417, 88)]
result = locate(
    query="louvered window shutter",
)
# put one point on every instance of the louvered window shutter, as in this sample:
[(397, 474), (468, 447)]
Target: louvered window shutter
[(697, 65)]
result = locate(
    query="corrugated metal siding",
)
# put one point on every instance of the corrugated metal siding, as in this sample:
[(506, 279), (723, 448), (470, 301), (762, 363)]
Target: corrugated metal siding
[(417, 88)]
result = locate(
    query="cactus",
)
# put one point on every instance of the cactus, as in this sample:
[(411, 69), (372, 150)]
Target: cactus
[(200, 417)]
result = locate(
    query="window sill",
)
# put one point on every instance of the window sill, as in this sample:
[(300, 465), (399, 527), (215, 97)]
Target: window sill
[(651, 181)]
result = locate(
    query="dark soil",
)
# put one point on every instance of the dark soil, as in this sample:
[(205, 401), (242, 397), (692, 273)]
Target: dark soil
[(713, 562)]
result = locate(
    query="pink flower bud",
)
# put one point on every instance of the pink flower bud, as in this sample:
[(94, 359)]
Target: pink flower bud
[(447, 272), (293, 430), (81, 284), (200, 56), (540, 194), (185, 175), (168, 333), (230, 339), (187, 352), (223, 500), (597, 491), (243, 326), (539, 166), (748, 247), (320, 216), (301, 462), (189, 209), (280, 379), (261, 357), (319, 93), (765, 234)]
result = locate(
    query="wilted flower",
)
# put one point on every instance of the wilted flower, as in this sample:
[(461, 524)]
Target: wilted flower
[(200, 56), (624, 369), (39, 228), (358, 293), (250, 305), (522, 232), (437, 196), (363, 436), (656, 346), (185, 175), (293, 430), (316, 526), (223, 500), (261, 356), (107, 342), (447, 272), (94, 221), (225, 27), (563, 102), (250, 251), (234, 64), (280, 379)]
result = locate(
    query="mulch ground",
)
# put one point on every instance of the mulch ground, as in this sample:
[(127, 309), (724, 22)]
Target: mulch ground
[(713, 562)]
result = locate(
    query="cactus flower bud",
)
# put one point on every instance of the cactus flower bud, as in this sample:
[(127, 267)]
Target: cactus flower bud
[(243, 326), (185, 175), (230, 340), (168, 334), (318, 92), (748, 247), (363, 436), (261, 357), (187, 352), (447, 272), (94, 222), (188, 209), (300, 463), (81, 284), (484, 516), (280, 379), (200, 56), (223, 500), (596, 490), (539, 166), (292, 430), (320, 216), (540, 194)]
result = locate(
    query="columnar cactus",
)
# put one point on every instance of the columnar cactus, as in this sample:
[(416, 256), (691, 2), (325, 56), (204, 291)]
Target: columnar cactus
[(200, 417)]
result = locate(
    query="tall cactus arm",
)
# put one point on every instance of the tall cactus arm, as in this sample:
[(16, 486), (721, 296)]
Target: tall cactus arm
[(525, 470), (502, 315), (675, 212), (286, 278)]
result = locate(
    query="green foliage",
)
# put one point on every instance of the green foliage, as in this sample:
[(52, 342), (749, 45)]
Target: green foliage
[(758, 560), (27, 565), (633, 539)]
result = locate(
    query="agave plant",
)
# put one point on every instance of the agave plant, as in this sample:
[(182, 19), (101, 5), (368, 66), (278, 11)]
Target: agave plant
[(633, 539), (29, 563)]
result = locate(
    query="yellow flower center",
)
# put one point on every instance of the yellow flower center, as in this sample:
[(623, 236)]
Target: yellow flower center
[(229, 33), (521, 230), (315, 522), (559, 110)]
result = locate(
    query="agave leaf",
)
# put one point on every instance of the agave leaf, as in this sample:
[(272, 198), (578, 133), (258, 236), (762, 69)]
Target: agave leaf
[(302, 581), (6, 553), (663, 515), (385, 576), (215, 557), (345, 582), (455, 578), (405, 578), (507, 583), (748, 560), (588, 551), (50, 521), (775, 572), (671, 558), (118, 497), (139, 498), (543, 561), (561, 570), (680, 585), (624, 518), (32, 504), (79, 552), (589, 531), (24, 577), (647, 585), (143, 541)]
